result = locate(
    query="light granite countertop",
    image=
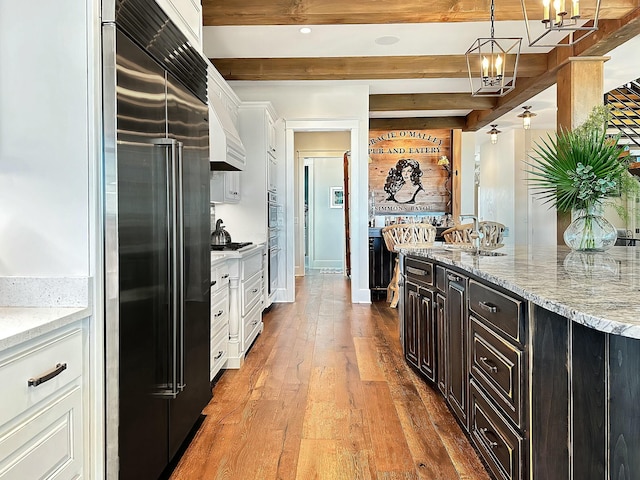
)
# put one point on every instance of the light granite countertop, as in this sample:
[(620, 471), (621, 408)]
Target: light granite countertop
[(32, 306), (599, 290)]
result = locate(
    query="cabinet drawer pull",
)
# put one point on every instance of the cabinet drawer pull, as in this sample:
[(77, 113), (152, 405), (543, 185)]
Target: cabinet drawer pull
[(220, 353), (493, 368), (214, 282), (45, 377), (453, 278), (417, 271), (489, 307), (220, 312), (226, 275), (254, 323), (483, 436), (255, 290)]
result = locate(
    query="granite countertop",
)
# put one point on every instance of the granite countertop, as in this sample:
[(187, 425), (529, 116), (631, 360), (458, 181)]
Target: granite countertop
[(32, 306), (600, 290)]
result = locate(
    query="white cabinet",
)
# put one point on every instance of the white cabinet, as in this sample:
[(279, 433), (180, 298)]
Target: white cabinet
[(271, 133), (246, 302), (225, 187), (219, 315), (272, 175), (41, 415)]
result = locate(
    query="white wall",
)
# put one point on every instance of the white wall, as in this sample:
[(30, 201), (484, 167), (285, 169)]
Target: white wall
[(326, 226), (308, 107), (467, 181), (44, 139)]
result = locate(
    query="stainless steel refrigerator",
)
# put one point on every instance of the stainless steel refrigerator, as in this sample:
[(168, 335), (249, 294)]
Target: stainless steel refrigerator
[(157, 266)]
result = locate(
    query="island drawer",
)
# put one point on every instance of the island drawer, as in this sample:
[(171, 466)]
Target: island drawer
[(498, 366), (501, 311), (500, 445), (252, 325), (251, 264), (251, 293), (219, 351), (419, 271), (219, 276), (441, 278)]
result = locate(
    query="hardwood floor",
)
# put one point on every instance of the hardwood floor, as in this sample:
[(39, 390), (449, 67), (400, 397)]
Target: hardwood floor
[(325, 394)]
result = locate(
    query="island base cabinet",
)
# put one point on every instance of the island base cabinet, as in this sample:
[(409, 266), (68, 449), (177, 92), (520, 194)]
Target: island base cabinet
[(457, 356)]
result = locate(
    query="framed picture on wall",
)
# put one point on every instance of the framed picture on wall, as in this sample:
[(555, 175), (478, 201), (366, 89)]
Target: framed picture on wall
[(336, 196)]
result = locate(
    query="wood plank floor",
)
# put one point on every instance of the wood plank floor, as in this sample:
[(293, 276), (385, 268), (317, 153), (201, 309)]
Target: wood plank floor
[(325, 394)]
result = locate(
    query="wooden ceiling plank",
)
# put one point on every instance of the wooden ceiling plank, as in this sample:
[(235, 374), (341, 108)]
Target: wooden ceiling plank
[(361, 68), (326, 12), (416, 123), (429, 101)]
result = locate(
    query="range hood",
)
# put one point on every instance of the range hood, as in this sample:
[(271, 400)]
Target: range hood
[(226, 151)]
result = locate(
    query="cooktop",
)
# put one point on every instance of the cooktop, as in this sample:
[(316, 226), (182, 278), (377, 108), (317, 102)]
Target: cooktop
[(231, 246)]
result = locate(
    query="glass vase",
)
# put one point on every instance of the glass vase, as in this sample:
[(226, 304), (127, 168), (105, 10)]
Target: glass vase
[(590, 232)]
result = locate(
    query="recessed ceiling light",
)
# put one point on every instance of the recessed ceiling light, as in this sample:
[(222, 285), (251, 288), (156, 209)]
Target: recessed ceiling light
[(305, 30), (387, 40)]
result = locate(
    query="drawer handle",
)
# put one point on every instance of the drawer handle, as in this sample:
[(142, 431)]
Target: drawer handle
[(483, 436), (45, 377), (226, 275), (453, 278), (220, 353), (214, 282), (493, 368), (220, 312), (417, 271), (254, 323), (255, 290), (489, 307)]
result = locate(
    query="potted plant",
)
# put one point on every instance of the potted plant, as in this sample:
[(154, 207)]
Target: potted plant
[(576, 172)]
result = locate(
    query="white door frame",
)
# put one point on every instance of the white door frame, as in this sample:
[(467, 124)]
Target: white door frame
[(358, 171)]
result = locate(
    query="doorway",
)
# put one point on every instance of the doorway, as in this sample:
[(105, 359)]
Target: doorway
[(324, 224)]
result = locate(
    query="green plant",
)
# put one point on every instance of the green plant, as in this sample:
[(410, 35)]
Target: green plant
[(578, 169)]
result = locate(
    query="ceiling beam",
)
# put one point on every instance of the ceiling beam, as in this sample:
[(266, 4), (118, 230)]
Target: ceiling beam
[(429, 101), (361, 68), (314, 12), (416, 123)]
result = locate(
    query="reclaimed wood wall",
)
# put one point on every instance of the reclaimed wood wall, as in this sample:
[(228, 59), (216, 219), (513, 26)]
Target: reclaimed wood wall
[(404, 174)]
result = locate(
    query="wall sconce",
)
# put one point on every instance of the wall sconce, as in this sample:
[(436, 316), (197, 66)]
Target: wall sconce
[(494, 133), (561, 20), (489, 63), (526, 117)]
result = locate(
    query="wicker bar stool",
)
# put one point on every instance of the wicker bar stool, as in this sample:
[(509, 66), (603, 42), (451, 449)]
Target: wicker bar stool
[(405, 235), (491, 235)]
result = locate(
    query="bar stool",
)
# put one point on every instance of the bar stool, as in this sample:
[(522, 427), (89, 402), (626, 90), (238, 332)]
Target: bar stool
[(405, 235), (491, 235)]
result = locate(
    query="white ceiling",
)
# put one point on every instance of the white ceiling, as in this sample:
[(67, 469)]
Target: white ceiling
[(413, 39)]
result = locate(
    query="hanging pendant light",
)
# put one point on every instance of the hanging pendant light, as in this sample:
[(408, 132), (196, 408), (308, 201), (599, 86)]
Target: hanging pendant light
[(494, 133), (559, 21), (526, 117), (493, 63)]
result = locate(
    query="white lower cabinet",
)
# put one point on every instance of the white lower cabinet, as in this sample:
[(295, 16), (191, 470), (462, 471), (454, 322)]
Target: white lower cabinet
[(41, 416), (219, 316)]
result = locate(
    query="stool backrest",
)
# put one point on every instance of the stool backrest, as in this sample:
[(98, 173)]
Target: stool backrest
[(409, 235), (491, 234)]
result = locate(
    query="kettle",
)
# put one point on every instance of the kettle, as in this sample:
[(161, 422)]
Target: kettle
[(220, 236)]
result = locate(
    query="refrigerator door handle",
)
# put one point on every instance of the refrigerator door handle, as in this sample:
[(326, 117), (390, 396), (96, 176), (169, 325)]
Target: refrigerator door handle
[(180, 260), (172, 389)]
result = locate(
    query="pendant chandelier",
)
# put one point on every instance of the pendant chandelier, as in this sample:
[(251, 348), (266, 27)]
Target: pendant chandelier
[(560, 20), (494, 133), (493, 63)]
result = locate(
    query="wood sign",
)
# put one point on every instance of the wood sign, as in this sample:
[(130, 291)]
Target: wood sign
[(404, 174)]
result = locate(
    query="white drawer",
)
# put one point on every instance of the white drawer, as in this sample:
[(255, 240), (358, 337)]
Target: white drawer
[(34, 360), (219, 276), (251, 293), (219, 311), (219, 352), (252, 265), (252, 326), (47, 443)]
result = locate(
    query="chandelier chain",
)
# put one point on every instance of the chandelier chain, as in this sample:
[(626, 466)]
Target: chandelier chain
[(492, 17)]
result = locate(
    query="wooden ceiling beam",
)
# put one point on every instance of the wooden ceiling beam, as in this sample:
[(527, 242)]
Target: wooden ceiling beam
[(361, 68), (313, 12), (429, 101), (416, 123)]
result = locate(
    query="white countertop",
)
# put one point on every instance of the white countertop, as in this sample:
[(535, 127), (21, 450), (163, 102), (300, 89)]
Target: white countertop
[(224, 254), (599, 290), (19, 324)]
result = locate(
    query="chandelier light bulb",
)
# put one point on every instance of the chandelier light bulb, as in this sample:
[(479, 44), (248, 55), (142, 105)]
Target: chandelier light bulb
[(494, 134), (526, 117), (498, 66)]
